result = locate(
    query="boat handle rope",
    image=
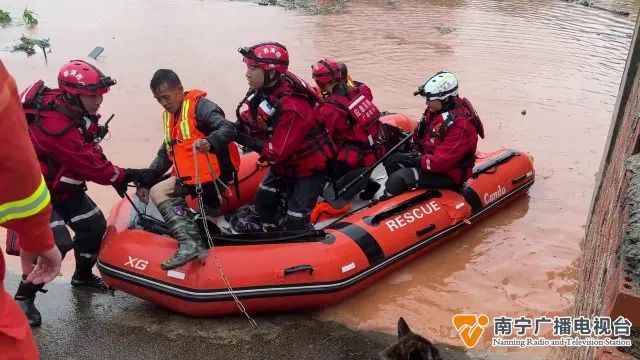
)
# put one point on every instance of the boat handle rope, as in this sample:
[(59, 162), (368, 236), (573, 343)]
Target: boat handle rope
[(203, 216), (518, 180), (298, 268)]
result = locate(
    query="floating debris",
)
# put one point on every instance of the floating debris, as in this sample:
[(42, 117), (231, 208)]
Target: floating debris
[(5, 18), (444, 30), (333, 7), (391, 4), (523, 112), (96, 52), (590, 4), (29, 18), (28, 46)]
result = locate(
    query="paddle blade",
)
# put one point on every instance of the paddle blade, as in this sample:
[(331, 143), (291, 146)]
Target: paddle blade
[(96, 52)]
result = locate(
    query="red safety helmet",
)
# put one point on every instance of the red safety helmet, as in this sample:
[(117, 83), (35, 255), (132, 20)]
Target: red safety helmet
[(324, 71), (267, 56), (77, 77)]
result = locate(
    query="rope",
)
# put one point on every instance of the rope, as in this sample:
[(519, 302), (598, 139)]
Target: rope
[(203, 216)]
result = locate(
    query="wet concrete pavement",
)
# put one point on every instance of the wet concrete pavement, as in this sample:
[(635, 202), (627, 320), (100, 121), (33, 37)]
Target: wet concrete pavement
[(79, 324)]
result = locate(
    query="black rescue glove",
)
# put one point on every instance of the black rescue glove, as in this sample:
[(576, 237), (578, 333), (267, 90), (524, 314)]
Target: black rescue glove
[(141, 177), (249, 142), (403, 160)]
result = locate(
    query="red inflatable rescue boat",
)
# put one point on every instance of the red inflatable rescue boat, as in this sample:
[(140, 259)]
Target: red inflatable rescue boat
[(295, 270)]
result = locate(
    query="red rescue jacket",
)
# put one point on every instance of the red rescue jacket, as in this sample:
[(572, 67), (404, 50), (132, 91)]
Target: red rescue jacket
[(353, 123), (65, 144), (20, 177), (448, 140), (283, 118)]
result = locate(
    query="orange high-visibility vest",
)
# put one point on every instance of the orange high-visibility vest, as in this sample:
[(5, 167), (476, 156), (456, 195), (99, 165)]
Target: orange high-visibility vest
[(181, 133)]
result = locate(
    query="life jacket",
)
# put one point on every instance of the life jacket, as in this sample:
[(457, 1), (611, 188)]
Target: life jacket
[(463, 108), (364, 146), (433, 128), (180, 134), (264, 112), (39, 101)]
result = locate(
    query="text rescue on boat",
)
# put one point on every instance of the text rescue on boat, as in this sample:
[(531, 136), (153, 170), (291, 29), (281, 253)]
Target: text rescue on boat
[(412, 215)]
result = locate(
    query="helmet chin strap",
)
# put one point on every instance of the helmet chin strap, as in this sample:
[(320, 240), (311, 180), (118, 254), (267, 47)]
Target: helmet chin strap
[(270, 79), (74, 100), (447, 103)]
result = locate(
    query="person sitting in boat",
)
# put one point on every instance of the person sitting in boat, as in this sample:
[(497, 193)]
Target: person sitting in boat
[(64, 130), (351, 119), (279, 124), (197, 137), (445, 139)]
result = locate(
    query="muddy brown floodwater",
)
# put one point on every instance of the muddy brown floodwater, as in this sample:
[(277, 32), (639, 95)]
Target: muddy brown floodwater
[(560, 62)]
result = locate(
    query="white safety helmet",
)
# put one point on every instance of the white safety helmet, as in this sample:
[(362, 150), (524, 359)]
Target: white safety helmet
[(439, 87)]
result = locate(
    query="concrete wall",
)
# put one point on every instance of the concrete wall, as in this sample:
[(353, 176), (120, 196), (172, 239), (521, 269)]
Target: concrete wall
[(603, 287)]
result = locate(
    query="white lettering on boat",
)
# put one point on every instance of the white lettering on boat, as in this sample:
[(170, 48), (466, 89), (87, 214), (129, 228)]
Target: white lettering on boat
[(489, 198), (412, 215), (136, 263)]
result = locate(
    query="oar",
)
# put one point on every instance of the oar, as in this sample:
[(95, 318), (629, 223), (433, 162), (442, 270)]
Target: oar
[(361, 176)]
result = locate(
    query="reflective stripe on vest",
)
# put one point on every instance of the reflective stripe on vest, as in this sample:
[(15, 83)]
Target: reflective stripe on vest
[(185, 129), (184, 123), (167, 129), (26, 207)]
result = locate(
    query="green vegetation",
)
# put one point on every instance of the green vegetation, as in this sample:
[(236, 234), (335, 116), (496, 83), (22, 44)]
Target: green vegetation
[(28, 46), (29, 18), (5, 18)]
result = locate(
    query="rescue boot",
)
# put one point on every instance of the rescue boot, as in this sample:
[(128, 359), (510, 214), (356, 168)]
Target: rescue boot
[(88, 280), (84, 276), (203, 246), (177, 215), (25, 297)]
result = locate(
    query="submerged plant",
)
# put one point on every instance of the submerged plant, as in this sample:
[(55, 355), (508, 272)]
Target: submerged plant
[(28, 46), (5, 18), (29, 18)]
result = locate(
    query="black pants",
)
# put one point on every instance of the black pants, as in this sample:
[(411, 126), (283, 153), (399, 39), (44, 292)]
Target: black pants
[(410, 178), (86, 220), (337, 173), (286, 203), (339, 169)]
